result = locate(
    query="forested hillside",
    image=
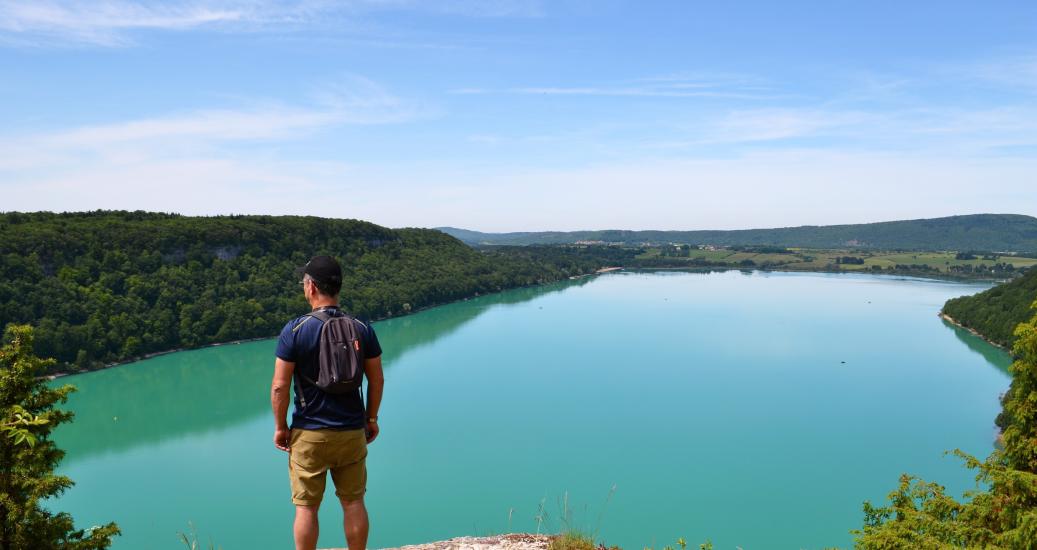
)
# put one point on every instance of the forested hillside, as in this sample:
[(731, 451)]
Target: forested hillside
[(107, 286), (994, 313), (986, 232)]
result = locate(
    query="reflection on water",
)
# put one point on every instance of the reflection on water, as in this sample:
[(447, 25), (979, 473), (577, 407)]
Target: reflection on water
[(210, 389), (410, 332), (994, 355)]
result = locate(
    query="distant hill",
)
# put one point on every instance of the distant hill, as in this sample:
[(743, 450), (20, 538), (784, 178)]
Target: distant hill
[(987, 232), (994, 313)]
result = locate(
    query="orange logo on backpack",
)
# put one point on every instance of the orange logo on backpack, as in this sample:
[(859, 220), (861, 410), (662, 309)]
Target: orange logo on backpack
[(356, 345)]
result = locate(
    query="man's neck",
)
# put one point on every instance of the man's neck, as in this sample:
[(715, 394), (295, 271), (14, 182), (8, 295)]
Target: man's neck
[(319, 303)]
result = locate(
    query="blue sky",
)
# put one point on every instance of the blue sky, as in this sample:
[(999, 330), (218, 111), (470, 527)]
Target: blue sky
[(506, 115)]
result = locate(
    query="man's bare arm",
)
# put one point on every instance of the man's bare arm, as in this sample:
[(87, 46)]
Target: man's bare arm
[(375, 386), (280, 396)]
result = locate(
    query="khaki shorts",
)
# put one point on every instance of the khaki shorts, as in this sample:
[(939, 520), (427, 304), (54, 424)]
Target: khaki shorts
[(314, 452)]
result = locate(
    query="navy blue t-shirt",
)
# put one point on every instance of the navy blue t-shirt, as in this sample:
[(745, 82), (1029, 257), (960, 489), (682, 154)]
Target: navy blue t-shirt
[(299, 344)]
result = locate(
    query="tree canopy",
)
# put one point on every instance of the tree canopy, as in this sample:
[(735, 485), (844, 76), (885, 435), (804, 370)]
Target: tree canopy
[(107, 286), (996, 312)]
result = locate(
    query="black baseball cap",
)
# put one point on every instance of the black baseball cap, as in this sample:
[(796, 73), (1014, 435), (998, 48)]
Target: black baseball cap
[(323, 269)]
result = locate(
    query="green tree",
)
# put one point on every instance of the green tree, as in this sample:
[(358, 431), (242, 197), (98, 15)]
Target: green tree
[(28, 456), (921, 515)]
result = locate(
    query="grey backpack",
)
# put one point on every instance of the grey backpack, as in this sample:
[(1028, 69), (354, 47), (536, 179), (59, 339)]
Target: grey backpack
[(340, 363)]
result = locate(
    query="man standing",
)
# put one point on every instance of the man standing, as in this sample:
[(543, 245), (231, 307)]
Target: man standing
[(328, 431)]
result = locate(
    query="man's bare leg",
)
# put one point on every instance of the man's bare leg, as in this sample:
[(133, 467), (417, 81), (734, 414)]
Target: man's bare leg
[(355, 523), (306, 527)]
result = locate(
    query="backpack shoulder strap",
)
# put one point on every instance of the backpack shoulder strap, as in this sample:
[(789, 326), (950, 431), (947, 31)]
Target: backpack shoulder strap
[(320, 314), (323, 317), (301, 321)]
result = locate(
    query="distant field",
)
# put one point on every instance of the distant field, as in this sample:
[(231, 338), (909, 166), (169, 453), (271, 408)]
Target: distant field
[(811, 259)]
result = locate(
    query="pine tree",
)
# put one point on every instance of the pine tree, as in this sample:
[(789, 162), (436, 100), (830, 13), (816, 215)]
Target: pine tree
[(1012, 471), (921, 515), (28, 456)]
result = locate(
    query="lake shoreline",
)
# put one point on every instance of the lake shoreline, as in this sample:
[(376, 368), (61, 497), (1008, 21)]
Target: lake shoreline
[(64, 373), (973, 331), (782, 269), (893, 276), (600, 271)]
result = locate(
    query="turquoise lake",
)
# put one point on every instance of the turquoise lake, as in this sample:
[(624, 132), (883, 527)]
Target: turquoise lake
[(754, 409)]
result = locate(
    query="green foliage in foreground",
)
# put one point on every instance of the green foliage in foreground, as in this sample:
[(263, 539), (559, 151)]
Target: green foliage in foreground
[(996, 312), (28, 457), (572, 541), (577, 541), (920, 515), (105, 286)]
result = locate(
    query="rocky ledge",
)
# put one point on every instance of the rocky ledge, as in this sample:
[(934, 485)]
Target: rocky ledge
[(514, 541)]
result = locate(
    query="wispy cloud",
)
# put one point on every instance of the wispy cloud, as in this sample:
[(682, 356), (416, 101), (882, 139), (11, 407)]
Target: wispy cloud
[(108, 23), (666, 91), (774, 124), (113, 23), (863, 111), (355, 100), (674, 86), (270, 122), (932, 130), (468, 8), (217, 137), (218, 160)]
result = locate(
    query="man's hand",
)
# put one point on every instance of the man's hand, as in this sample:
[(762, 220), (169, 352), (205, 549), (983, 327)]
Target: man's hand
[(282, 438), (375, 385), (279, 402)]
